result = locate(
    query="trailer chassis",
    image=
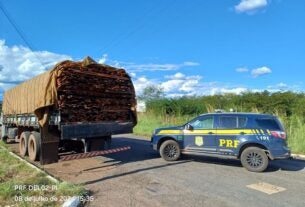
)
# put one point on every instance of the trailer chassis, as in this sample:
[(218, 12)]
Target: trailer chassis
[(25, 129)]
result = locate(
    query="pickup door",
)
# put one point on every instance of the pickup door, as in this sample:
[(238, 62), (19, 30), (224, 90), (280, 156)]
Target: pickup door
[(202, 138), (230, 129)]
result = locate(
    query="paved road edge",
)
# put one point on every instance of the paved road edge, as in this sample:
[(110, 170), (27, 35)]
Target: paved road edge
[(298, 156)]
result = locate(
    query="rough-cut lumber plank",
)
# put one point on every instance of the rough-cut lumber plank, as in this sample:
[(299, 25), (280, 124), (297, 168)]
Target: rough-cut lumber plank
[(94, 93)]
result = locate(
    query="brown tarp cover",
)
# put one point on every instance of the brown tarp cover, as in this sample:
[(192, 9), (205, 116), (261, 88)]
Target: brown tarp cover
[(35, 95)]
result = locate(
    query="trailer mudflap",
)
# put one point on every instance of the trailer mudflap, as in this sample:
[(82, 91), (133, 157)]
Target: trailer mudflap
[(88, 130), (48, 146)]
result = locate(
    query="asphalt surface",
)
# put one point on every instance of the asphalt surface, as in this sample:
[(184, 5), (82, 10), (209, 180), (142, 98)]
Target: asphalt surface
[(139, 177)]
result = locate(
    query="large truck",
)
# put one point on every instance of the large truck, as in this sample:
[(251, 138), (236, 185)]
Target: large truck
[(75, 105)]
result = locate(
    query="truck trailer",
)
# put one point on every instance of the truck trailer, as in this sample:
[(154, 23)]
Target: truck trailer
[(74, 105)]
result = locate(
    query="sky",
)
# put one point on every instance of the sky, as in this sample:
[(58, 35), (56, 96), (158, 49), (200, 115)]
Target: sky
[(192, 47)]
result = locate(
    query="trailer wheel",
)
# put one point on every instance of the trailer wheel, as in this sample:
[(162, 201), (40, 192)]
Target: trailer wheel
[(23, 143), (34, 146)]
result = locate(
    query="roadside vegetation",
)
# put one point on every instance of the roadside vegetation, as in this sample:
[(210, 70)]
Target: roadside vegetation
[(288, 106), (14, 173)]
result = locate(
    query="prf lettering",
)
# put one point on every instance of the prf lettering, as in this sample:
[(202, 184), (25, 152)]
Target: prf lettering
[(228, 143)]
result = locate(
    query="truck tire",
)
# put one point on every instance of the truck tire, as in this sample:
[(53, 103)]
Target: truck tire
[(107, 144), (254, 159), (4, 139), (170, 150), (23, 143), (34, 146)]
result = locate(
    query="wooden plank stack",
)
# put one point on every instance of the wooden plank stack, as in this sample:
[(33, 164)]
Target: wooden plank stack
[(94, 93)]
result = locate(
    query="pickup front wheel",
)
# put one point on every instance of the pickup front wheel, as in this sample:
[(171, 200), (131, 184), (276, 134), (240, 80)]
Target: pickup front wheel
[(170, 150)]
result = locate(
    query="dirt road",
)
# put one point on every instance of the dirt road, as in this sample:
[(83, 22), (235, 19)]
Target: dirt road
[(139, 177)]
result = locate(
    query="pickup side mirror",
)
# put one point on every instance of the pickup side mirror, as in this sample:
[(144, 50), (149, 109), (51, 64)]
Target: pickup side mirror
[(189, 127)]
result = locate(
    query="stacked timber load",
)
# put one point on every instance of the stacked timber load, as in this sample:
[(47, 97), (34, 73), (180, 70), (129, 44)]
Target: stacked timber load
[(94, 92)]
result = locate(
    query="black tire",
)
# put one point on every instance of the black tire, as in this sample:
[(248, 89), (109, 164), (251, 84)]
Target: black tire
[(34, 146), (23, 143), (4, 139), (107, 142), (254, 159), (170, 150)]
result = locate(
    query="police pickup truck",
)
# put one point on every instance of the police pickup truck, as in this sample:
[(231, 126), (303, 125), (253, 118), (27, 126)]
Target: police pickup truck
[(253, 138)]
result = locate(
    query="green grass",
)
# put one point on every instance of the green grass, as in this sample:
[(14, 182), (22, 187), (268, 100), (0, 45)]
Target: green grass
[(296, 134), (147, 122), (13, 172), (295, 127)]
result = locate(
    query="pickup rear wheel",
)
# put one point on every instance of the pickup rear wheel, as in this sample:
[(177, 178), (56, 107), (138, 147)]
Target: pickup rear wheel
[(34, 146), (254, 159), (170, 150), (23, 143)]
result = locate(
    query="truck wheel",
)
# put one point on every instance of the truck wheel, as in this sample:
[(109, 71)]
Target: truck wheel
[(254, 159), (4, 139), (34, 146), (107, 142), (23, 143), (170, 150)]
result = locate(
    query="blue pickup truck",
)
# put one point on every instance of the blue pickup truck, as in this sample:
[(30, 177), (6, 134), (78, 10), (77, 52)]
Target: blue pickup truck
[(253, 138)]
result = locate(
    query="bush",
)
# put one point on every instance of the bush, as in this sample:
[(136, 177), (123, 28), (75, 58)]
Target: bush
[(280, 103), (288, 106)]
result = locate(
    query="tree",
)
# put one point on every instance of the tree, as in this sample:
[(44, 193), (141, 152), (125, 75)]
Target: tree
[(151, 93)]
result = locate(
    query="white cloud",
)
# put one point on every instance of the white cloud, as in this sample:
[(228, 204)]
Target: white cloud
[(5, 86), (189, 85), (133, 75), (176, 76), (103, 59), (237, 90), (256, 72), (281, 85), (141, 83), (260, 71), (242, 70), (175, 95), (178, 85), (284, 87), (250, 6), (180, 82), (172, 85), (189, 63), (157, 67), (134, 67), (19, 63)]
